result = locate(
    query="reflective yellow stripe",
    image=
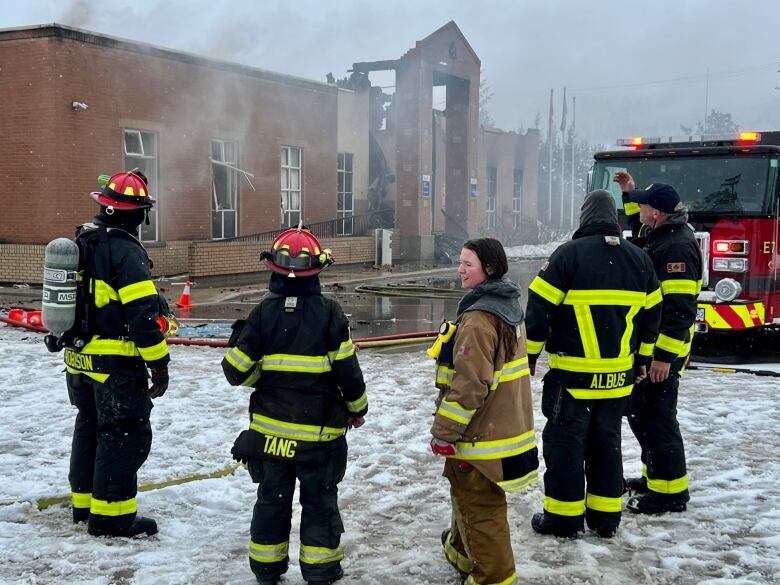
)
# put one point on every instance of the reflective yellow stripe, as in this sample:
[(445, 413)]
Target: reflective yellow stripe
[(454, 411), (653, 298), (595, 393), (662, 486), (95, 376), (646, 349), (591, 365), (564, 508), (315, 555), (603, 504), (590, 343), (513, 485), (535, 347), (268, 553), (345, 350), (605, 297), (299, 432), (81, 500), (511, 580), (453, 556), (670, 344), (631, 208), (547, 291), (283, 362), (485, 450), (680, 286), (239, 360), (103, 293), (510, 371), (444, 375), (644, 470), (100, 346), (625, 341), (154, 352), (105, 508), (253, 377), (138, 290), (359, 404)]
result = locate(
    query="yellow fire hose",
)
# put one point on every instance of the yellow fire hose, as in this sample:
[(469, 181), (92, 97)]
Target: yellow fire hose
[(44, 503)]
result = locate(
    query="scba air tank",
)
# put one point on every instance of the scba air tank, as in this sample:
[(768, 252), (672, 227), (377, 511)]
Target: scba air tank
[(60, 274)]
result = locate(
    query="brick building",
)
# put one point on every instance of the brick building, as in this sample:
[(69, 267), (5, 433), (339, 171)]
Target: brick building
[(224, 144)]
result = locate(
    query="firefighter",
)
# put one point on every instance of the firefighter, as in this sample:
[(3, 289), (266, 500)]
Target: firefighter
[(296, 351), (595, 304), (107, 377), (484, 420), (672, 246)]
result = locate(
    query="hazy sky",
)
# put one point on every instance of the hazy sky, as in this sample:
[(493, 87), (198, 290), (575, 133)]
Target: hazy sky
[(635, 67)]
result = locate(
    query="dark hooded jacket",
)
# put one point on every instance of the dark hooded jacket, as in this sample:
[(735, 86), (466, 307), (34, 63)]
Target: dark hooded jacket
[(678, 264), (296, 350), (595, 305)]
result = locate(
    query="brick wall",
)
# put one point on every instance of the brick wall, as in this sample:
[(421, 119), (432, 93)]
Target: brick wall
[(23, 263), (52, 153)]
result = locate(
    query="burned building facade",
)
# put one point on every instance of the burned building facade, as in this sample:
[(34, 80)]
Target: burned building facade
[(232, 150)]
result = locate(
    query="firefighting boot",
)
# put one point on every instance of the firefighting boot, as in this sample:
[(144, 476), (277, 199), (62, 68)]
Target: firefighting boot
[(655, 503), (329, 580), (543, 523), (267, 580), (635, 486), (80, 515), (140, 526)]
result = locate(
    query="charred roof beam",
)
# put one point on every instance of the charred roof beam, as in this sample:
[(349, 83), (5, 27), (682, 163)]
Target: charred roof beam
[(366, 66)]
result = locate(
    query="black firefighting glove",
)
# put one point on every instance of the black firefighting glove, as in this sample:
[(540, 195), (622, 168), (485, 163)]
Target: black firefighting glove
[(52, 343), (159, 382)]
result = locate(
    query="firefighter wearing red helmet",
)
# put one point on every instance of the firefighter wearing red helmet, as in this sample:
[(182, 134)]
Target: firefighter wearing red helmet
[(296, 351), (106, 360)]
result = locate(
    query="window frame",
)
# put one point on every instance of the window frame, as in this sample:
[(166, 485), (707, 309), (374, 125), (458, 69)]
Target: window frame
[(344, 171), (233, 186), (290, 217), (131, 159), (490, 196)]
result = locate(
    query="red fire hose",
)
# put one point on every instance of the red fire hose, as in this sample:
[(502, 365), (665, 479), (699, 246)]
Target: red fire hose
[(384, 340)]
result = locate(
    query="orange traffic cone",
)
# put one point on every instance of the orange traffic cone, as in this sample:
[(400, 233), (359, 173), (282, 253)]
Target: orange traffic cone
[(184, 299)]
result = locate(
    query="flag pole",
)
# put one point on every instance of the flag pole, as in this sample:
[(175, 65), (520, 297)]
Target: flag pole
[(573, 122), (563, 159), (551, 142)]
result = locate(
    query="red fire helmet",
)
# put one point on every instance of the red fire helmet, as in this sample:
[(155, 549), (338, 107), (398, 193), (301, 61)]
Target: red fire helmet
[(126, 190), (297, 252)]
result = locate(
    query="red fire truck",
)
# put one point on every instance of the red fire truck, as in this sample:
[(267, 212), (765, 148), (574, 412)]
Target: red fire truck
[(731, 188)]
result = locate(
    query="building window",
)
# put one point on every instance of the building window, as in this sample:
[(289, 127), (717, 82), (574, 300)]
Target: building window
[(141, 153), (517, 199), (344, 202), (292, 200), (490, 200), (224, 189)]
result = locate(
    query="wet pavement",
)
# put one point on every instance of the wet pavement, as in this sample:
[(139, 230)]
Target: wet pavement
[(370, 315), (217, 304)]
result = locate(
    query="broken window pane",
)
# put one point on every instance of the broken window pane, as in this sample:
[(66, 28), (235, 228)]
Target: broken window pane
[(141, 153)]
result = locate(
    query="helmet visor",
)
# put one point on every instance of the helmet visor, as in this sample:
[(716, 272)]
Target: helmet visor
[(303, 260)]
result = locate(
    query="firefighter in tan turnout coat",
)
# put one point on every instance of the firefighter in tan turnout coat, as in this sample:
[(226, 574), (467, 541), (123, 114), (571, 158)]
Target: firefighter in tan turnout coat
[(484, 418)]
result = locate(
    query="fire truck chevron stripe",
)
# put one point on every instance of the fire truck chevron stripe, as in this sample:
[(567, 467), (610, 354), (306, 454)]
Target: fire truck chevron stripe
[(735, 316)]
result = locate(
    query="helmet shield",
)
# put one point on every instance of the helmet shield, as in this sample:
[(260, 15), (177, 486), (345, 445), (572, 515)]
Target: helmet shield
[(297, 252)]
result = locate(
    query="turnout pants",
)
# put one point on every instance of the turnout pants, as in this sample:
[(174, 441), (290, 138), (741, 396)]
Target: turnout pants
[(582, 434), (479, 542), (321, 526), (112, 437), (653, 419)]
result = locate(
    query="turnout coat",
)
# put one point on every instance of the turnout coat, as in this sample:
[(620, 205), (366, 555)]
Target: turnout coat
[(484, 405)]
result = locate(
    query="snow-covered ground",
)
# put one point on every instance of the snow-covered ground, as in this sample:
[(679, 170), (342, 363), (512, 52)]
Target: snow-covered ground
[(394, 500)]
